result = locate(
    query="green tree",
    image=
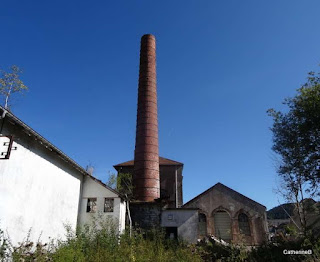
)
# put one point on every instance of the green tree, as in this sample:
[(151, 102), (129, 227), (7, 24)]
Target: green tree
[(125, 188), (112, 180), (123, 184), (296, 139), (11, 83)]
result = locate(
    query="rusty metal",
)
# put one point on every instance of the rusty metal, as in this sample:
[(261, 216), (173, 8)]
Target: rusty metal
[(9, 144)]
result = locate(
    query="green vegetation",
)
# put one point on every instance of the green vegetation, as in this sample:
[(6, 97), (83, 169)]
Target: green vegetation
[(296, 137), (123, 184), (296, 141), (269, 252), (281, 211), (275, 251), (99, 241)]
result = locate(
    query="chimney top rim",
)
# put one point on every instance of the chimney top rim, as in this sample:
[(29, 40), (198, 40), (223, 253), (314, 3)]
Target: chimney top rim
[(148, 36)]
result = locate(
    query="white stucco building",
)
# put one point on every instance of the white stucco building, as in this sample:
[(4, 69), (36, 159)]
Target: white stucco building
[(101, 202), (42, 189)]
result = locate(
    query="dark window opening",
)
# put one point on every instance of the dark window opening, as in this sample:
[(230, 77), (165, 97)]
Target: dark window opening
[(108, 204), (172, 232), (92, 205), (244, 226), (202, 224)]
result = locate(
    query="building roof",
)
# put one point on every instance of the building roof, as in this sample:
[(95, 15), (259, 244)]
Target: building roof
[(162, 162), (5, 114), (220, 186)]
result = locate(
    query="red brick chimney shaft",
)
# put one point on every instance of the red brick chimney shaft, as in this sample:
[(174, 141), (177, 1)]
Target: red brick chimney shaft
[(146, 178)]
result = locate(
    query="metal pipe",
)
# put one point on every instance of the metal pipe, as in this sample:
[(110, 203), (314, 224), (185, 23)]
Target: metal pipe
[(176, 187)]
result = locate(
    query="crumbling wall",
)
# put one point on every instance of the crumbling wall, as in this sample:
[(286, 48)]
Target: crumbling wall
[(145, 215)]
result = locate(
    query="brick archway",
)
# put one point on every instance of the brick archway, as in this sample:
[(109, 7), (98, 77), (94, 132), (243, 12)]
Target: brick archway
[(222, 224)]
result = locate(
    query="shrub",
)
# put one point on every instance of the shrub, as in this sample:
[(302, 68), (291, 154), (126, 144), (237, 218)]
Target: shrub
[(274, 251), (4, 247), (209, 250), (100, 241)]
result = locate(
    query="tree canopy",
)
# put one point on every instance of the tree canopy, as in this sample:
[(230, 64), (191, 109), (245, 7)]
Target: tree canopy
[(11, 83), (296, 136)]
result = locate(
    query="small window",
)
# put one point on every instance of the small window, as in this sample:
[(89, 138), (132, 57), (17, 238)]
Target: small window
[(244, 227), (108, 204), (92, 205), (202, 224)]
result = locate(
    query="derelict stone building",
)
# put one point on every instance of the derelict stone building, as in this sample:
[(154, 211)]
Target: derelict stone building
[(230, 215), (170, 180), (39, 175), (157, 181)]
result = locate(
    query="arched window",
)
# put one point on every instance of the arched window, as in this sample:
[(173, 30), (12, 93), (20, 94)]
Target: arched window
[(202, 224), (244, 226), (222, 225)]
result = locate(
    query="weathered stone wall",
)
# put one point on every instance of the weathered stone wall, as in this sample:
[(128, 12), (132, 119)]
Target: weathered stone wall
[(220, 198), (145, 215)]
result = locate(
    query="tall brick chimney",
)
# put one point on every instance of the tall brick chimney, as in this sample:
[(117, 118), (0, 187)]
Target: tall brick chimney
[(146, 178)]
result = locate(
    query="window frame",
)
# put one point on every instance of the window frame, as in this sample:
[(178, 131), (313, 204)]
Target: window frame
[(202, 224), (244, 226), (91, 208), (104, 204)]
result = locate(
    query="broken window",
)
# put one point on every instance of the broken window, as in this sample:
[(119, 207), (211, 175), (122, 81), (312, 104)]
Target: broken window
[(92, 205), (108, 204), (202, 224), (244, 227)]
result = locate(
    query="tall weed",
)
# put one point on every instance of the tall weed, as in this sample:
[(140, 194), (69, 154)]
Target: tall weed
[(100, 241)]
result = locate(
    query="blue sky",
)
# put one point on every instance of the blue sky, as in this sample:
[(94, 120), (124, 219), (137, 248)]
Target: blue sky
[(220, 66)]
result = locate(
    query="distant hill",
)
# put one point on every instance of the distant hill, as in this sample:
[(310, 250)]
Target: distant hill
[(278, 212)]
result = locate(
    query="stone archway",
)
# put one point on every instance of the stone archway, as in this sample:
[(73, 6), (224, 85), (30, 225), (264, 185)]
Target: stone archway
[(244, 231), (222, 225)]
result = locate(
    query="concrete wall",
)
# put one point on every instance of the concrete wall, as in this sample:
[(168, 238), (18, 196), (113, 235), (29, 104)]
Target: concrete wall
[(93, 189), (185, 220), (38, 190), (219, 198)]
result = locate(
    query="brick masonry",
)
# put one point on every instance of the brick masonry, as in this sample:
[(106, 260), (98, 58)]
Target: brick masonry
[(146, 177)]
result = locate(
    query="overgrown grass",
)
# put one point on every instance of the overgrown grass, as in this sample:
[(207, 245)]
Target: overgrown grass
[(101, 242), (268, 252), (274, 251)]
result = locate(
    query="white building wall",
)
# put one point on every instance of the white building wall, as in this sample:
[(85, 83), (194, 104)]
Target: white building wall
[(37, 194), (93, 189)]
